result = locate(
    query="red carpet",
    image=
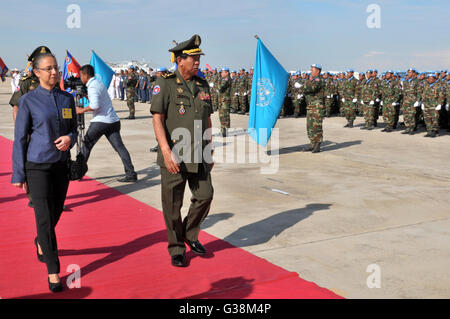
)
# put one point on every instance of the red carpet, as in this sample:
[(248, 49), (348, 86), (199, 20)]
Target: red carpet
[(120, 244)]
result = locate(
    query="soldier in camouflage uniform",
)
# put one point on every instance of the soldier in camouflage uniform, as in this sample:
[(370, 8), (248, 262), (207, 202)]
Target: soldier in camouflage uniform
[(216, 79), (234, 93), (242, 86), (224, 88), (377, 104), (212, 84), (370, 91), (314, 92), (432, 100), (390, 94), (297, 91), (359, 85), (250, 83), (340, 88), (348, 98), (329, 92), (131, 90), (285, 109), (410, 102)]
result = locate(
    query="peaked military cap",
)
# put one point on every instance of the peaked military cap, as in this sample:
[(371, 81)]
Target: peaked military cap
[(39, 50), (189, 47)]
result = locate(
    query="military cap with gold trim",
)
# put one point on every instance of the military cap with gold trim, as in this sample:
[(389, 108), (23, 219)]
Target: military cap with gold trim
[(39, 50), (189, 47)]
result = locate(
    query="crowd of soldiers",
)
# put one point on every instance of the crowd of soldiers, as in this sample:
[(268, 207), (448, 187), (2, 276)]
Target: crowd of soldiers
[(421, 97)]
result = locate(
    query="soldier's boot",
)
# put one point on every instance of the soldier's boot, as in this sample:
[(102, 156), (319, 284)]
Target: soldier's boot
[(388, 129), (131, 116), (370, 127), (350, 124), (406, 131), (224, 131), (316, 148), (297, 114), (364, 127), (347, 125), (308, 149)]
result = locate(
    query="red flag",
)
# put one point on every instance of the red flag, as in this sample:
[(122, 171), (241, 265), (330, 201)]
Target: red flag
[(3, 70), (209, 68)]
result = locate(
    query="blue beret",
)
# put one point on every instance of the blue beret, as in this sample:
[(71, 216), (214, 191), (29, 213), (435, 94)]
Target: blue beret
[(225, 69), (375, 70), (131, 67), (317, 66), (350, 70)]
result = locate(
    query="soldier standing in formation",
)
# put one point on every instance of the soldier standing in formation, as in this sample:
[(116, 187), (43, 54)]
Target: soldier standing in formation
[(314, 92), (224, 89), (131, 90), (349, 98)]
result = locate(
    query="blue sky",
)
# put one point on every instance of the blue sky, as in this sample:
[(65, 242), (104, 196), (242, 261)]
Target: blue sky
[(299, 33)]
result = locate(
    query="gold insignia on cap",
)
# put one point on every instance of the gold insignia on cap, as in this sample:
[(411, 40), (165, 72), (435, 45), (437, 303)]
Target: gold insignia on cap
[(43, 50), (197, 40)]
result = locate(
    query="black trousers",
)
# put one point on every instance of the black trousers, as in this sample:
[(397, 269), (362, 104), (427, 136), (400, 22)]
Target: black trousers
[(48, 185), (112, 132)]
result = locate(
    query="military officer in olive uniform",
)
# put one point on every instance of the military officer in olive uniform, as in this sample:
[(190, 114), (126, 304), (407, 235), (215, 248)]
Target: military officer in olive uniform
[(27, 83), (182, 103)]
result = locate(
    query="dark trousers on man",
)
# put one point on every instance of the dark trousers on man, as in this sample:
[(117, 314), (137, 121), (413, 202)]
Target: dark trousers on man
[(172, 193), (48, 183), (112, 132)]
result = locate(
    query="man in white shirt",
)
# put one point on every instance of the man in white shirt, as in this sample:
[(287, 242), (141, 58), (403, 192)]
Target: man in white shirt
[(104, 122), (15, 78)]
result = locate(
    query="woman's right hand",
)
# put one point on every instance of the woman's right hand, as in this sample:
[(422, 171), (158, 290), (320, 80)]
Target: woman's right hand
[(21, 185)]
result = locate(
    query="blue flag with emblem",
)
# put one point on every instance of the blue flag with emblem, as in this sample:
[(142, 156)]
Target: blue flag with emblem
[(102, 70), (269, 86)]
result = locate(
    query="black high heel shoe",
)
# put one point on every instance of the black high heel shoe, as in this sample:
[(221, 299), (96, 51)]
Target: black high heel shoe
[(40, 257), (55, 287)]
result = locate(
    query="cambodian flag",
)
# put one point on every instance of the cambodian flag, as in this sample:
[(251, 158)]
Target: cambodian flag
[(269, 86), (71, 68), (3, 70)]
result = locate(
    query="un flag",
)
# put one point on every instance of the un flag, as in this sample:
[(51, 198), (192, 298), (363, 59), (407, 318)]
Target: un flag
[(102, 70), (269, 86)]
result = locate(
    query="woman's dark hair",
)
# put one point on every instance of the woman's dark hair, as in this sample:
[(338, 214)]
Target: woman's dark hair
[(88, 70), (38, 59)]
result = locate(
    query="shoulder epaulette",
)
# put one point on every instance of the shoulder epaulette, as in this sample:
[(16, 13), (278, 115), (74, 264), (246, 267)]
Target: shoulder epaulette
[(168, 75)]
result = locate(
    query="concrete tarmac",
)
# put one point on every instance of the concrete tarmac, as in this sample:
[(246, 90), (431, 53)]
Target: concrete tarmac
[(371, 210)]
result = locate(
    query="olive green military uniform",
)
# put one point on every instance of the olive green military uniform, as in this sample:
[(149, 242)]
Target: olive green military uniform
[(131, 89), (234, 95), (186, 105)]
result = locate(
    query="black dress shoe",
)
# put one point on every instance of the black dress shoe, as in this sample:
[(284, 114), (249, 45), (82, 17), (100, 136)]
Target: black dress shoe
[(196, 247), (128, 179), (39, 256), (55, 287), (179, 260), (154, 149)]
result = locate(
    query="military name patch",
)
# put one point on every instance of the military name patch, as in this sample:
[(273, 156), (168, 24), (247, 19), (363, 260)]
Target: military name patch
[(156, 90)]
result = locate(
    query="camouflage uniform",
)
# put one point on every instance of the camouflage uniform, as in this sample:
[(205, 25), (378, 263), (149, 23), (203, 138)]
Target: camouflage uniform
[(216, 80), (27, 84), (340, 90), (131, 90), (314, 93), (370, 91), (432, 96), (242, 87), (390, 95), (359, 106), (348, 95), (285, 110), (410, 97), (250, 83), (329, 92), (234, 95), (224, 97)]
